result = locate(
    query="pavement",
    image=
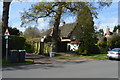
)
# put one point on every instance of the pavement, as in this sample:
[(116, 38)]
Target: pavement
[(42, 59), (34, 56), (79, 69), (53, 60)]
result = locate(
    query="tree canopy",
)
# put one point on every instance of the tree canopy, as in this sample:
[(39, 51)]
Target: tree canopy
[(50, 9), (116, 27), (56, 11), (32, 32), (114, 41)]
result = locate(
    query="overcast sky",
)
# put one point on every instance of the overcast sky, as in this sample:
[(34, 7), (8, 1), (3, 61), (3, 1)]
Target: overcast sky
[(107, 16)]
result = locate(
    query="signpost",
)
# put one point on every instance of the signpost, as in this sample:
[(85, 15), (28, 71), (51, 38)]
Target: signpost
[(6, 34)]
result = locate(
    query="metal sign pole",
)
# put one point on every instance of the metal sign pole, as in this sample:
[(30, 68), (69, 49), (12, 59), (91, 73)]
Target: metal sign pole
[(6, 37)]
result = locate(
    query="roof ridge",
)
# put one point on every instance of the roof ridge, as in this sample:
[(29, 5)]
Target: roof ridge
[(66, 29)]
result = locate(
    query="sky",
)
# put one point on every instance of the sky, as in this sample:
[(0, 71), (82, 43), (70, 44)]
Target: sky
[(106, 17)]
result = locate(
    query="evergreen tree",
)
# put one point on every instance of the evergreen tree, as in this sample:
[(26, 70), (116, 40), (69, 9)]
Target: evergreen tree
[(87, 37), (116, 27)]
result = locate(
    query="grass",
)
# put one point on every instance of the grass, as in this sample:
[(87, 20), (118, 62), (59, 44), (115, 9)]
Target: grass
[(64, 56), (97, 56), (27, 61), (61, 57), (93, 56)]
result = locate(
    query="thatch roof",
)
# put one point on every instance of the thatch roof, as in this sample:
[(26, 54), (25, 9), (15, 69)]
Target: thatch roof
[(66, 30), (45, 33), (36, 39)]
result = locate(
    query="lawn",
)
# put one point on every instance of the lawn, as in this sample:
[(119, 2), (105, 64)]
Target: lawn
[(97, 56), (93, 56), (63, 56), (27, 61)]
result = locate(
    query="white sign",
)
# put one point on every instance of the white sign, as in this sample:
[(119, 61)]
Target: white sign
[(6, 33)]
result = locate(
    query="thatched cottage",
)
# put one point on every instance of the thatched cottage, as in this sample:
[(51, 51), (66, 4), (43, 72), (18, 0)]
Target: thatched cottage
[(69, 40)]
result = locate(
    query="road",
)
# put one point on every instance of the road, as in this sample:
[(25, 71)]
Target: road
[(83, 69)]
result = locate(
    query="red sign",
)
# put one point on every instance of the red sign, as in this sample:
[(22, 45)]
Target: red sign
[(6, 33)]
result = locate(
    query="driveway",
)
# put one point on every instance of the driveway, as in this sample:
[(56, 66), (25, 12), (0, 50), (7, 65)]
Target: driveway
[(81, 69)]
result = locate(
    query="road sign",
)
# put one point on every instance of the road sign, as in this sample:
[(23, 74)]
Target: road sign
[(6, 33)]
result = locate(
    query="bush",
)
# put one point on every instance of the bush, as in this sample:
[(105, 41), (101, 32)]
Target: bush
[(113, 41), (102, 44), (95, 49), (83, 50), (47, 48), (29, 47), (14, 43), (13, 31)]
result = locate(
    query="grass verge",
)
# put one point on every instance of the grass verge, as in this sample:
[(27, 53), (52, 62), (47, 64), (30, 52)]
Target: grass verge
[(62, 57), (93, 56), (27, 61), (97, 56)]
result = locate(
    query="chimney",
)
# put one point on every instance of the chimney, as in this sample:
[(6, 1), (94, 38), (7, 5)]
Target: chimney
[(107, 31)]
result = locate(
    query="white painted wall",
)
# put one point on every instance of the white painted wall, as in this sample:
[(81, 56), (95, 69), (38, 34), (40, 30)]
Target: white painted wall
[(73, 47)]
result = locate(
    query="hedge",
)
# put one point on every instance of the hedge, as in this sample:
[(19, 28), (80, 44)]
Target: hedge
[(14, 42)]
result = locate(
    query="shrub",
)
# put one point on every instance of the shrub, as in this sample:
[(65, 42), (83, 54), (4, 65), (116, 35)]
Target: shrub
[(113, 41), (13, 31), (103, 38), (83, 50), (47, 48), (93, 49), (14, 43), (29, 47), (102, 44)]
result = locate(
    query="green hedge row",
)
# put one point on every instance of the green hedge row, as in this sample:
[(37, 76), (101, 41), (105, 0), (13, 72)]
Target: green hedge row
[(14, 42)]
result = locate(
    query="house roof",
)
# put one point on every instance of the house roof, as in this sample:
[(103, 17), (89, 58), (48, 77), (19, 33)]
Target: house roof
[(47, 32), (75, 42), (65, 40), (66, 30), (36, 39)]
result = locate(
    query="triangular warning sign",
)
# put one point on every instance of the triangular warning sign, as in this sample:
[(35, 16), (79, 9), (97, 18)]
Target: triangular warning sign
[(6, 33)]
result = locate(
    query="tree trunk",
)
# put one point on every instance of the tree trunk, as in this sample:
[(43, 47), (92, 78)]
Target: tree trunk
[(55, 35), (5, 15)]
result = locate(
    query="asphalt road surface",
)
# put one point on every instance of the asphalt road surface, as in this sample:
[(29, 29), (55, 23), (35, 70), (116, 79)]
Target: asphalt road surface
[(84, 69)]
